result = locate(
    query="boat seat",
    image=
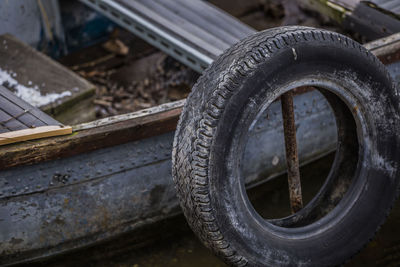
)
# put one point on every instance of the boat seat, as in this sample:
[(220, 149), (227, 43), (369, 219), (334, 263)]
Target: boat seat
[(20, 121)]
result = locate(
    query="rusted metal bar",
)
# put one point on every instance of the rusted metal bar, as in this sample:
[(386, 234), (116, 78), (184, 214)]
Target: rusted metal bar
[(292, 159)]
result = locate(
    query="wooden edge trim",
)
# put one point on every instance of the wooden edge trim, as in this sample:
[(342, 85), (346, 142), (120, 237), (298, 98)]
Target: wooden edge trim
[(33, 133), (387, 49), (90, 139), (117, 129), (130, 116)]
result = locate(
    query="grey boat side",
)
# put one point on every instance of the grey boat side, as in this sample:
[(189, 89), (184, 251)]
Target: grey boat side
[(74, 200), (63, 204)]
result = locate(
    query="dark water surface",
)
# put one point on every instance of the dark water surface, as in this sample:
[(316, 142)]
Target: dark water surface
[(171, 243)]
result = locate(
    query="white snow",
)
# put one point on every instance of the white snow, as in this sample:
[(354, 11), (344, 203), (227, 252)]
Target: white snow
[(31, 95)]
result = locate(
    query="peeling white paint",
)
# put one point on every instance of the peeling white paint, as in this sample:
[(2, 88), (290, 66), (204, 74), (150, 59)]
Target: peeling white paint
[(32, 94)]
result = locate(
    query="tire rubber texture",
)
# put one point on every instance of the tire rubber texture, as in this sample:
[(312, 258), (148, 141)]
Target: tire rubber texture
[(213, 125)]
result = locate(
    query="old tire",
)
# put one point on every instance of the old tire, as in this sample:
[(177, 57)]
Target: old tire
[(212, 131)]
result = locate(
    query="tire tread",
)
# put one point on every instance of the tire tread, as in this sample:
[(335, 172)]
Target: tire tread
[(203, 108)]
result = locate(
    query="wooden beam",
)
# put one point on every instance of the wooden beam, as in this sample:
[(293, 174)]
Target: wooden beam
[(368, 18), (31, 68), (33, 133), (332, 9), (94, 135), (387, 49), (120, 129)]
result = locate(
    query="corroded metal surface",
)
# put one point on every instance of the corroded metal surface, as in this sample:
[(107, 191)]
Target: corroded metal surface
[(315, 125), (292, 158)]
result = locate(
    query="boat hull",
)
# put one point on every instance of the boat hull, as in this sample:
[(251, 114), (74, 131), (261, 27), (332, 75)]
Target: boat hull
[(58, 205)]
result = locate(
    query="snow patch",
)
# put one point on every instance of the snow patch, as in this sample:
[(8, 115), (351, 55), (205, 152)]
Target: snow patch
[(32, 94)]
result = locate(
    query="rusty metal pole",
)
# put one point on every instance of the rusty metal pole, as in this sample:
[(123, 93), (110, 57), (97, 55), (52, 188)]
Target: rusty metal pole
[(292, 159)]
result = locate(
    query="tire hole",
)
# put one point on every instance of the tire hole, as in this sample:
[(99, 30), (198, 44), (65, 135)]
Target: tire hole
[(264, 160)]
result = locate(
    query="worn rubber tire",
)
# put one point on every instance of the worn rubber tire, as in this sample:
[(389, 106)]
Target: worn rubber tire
[(212, 129)]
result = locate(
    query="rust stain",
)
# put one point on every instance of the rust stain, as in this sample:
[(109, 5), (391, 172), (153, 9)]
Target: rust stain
[(292, 158)]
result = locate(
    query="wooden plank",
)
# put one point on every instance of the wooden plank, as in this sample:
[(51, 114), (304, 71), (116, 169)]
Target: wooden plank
[(89, 139), (7, 123), (20, 121), (386, 49), (364, 17), (16, 114), (106, 132), (131, 116), (349, 4), (34, 133), (39, 79), (372, 22), (22, 115), (37, 113)]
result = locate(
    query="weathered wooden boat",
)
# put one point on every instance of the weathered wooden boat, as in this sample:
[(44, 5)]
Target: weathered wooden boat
[(112, 176)]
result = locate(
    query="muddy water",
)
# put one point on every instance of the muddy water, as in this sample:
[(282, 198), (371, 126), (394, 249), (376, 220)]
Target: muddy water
[(171, 243)]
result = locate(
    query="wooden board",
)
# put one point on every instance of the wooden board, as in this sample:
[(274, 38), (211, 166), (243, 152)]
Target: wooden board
[(372, 19), (38, 79), (34, 133), (16, 114), (98, 134), (20, 121), (386, 49)]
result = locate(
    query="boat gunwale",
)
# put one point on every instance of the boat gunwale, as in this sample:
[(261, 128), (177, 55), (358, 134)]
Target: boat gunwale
[(129, 116), (133, 126)]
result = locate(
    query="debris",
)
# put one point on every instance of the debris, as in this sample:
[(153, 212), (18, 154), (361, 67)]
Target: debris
[(116, 46), (131, 77), (142, 86)]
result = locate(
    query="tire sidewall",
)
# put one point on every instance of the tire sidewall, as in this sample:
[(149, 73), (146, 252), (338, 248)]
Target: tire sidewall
[(336, 236)]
